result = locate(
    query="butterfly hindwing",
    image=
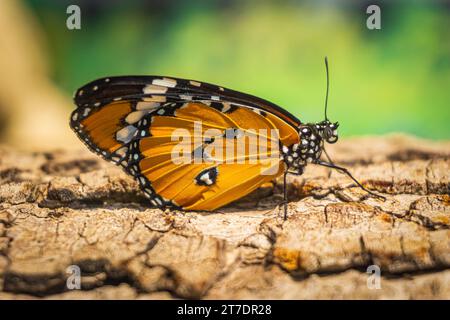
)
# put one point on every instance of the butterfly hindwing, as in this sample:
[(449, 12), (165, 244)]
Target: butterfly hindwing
[(215, 180)]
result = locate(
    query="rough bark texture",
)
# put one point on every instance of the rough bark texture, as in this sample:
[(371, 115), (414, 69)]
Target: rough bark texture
[(71, 208)]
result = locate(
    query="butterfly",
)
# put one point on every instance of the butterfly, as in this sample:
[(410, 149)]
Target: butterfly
[(170, 135)]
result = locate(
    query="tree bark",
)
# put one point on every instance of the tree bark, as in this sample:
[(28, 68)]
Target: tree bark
[(67, 208)]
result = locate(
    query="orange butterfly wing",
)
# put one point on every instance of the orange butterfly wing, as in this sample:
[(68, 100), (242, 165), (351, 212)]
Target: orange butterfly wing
[(135, 128), (177, 182)]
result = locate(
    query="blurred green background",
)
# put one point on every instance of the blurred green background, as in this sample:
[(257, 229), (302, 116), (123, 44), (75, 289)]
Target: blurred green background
[(389, 80)]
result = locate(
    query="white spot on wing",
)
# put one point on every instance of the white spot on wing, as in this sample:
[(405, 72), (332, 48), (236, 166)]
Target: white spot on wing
[(125, 134), (122, 151), (86, 112), (165, 82), (195, 83), (145, 105), (135, 116), (151, 88), (206, 179)]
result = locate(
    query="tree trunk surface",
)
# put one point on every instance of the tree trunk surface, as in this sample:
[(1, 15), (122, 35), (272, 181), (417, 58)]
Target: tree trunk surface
[(64, 210)]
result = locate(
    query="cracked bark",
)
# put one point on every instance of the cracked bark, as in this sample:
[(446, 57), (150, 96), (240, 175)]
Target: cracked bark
[(67, 208)]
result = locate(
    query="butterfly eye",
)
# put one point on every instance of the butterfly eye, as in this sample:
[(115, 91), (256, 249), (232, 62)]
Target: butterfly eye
[(330, 134), (327, 133)]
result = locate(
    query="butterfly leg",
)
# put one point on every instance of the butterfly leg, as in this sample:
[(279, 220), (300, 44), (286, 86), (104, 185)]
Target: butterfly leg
[(345, 171), (298, 171), (285, 200)]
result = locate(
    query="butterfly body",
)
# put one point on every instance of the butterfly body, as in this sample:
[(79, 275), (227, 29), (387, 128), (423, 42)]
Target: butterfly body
[(235, 142)]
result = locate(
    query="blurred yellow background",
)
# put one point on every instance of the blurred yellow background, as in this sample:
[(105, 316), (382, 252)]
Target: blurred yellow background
[(396, 79)]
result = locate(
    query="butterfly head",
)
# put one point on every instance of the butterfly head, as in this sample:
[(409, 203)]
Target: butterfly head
[(328, 131)]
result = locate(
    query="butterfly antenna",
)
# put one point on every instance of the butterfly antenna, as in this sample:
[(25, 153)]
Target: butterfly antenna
[(328, 87)]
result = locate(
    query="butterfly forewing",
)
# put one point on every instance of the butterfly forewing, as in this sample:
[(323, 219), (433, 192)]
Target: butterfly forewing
[(173, 89)]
